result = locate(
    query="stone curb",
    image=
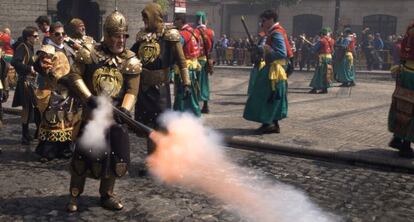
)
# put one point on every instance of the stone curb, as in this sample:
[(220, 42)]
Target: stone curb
[(264, 146), (345, 156), (377, 72)]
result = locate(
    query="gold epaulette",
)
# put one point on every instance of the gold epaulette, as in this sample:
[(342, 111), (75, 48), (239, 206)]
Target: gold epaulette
[(83, 55), (141, 35), (172, 35)]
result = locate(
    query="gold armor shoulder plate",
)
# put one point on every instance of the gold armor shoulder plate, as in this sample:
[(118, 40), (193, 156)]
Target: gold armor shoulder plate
[(172, 35), (61, 66), (132, 66), (83, 55), (141, 35)]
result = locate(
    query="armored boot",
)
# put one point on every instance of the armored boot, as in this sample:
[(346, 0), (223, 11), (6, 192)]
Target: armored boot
[(108, 199), (77, 183), (205, 108), (25, 134)]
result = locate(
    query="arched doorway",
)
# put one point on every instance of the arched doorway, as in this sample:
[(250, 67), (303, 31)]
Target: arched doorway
[(309, 24), (384, 24), (87, 10)]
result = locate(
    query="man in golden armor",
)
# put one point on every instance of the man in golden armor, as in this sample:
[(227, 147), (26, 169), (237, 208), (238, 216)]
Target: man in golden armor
[(159, 48), (78, 37), (109, 70)]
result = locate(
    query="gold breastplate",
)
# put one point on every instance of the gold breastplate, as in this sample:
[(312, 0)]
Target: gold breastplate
[(149, 51), (107, 81)]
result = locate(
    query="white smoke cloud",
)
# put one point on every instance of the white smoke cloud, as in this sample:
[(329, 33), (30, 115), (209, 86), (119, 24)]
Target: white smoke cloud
[(192, 156), (94, 135)]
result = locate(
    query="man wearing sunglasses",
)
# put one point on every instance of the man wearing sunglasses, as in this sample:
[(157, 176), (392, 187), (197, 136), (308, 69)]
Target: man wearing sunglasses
[(57, 37), (24, 93)]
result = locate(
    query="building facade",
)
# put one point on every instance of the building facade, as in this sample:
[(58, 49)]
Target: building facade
[(18, 14), (309, 16)]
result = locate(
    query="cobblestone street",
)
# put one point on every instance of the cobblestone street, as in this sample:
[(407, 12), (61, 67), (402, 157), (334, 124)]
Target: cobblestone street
[(34, 191)]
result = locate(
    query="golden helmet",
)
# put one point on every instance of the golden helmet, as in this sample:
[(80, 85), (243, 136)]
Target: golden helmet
[(115, 23)]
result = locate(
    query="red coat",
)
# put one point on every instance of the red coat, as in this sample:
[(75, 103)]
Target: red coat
[(352, 44), (191, 45), (208, 35), (327, 45), (407, 44), (5, 39)]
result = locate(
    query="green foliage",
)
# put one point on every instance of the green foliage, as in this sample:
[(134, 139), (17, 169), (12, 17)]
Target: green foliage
[(165, 4)]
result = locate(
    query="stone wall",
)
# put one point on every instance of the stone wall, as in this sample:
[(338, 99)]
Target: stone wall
[(18, 14)]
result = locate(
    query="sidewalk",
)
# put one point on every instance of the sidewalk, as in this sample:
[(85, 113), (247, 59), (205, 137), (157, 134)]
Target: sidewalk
[(348, 124)]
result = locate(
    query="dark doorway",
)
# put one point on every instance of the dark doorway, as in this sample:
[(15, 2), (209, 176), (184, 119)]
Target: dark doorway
[(86, 10), (384, 24), (307, 23)]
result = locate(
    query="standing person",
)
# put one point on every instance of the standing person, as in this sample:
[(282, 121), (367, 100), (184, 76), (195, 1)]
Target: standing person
[(224, 43), (344, 69), (267, 102), (206, 39), (4, 85), (400, 118), (323, 73), (78, 34), (43, 23), (165, 49), (396, 49), (53, 101), (56, 107), (5, 42), (24, 93), (378, 44), (186, 97), (112, 71)]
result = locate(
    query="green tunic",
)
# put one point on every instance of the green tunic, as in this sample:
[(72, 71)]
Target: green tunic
[(252, 80), (344, 71), (319, 78), (258, 108), (202, 77), (183, 104), (407, 81)]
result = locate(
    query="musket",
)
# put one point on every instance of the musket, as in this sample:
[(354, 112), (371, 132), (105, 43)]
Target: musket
[(247, 30), (135, 125), (307, 41)]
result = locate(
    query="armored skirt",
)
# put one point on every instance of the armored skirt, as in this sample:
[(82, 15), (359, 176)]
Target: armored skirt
[(60, 117), (345, 70), (400, 117), (322, 79), (258, 107), (190, 103), (203, 81)]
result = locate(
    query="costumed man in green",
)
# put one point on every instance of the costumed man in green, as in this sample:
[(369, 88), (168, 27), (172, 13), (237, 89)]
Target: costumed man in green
[(401, 115), (344, 66), (322, 78), (184, 101), (206, 39), (159, 48), (110, 70), (267, 102)]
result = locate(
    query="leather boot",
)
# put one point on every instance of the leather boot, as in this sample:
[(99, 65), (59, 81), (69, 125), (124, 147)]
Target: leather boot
[(313, 91), (108, 199), (77, 183), (25, 134), (405, 150), (276, 126), (205, 108), (324, 91), (395, 143)]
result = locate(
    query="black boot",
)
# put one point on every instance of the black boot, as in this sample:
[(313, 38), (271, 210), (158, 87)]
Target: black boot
[(25, 134), (324, 91), (405, 150), (276, 126), (313, 91), (396, 143), (205, 108)]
